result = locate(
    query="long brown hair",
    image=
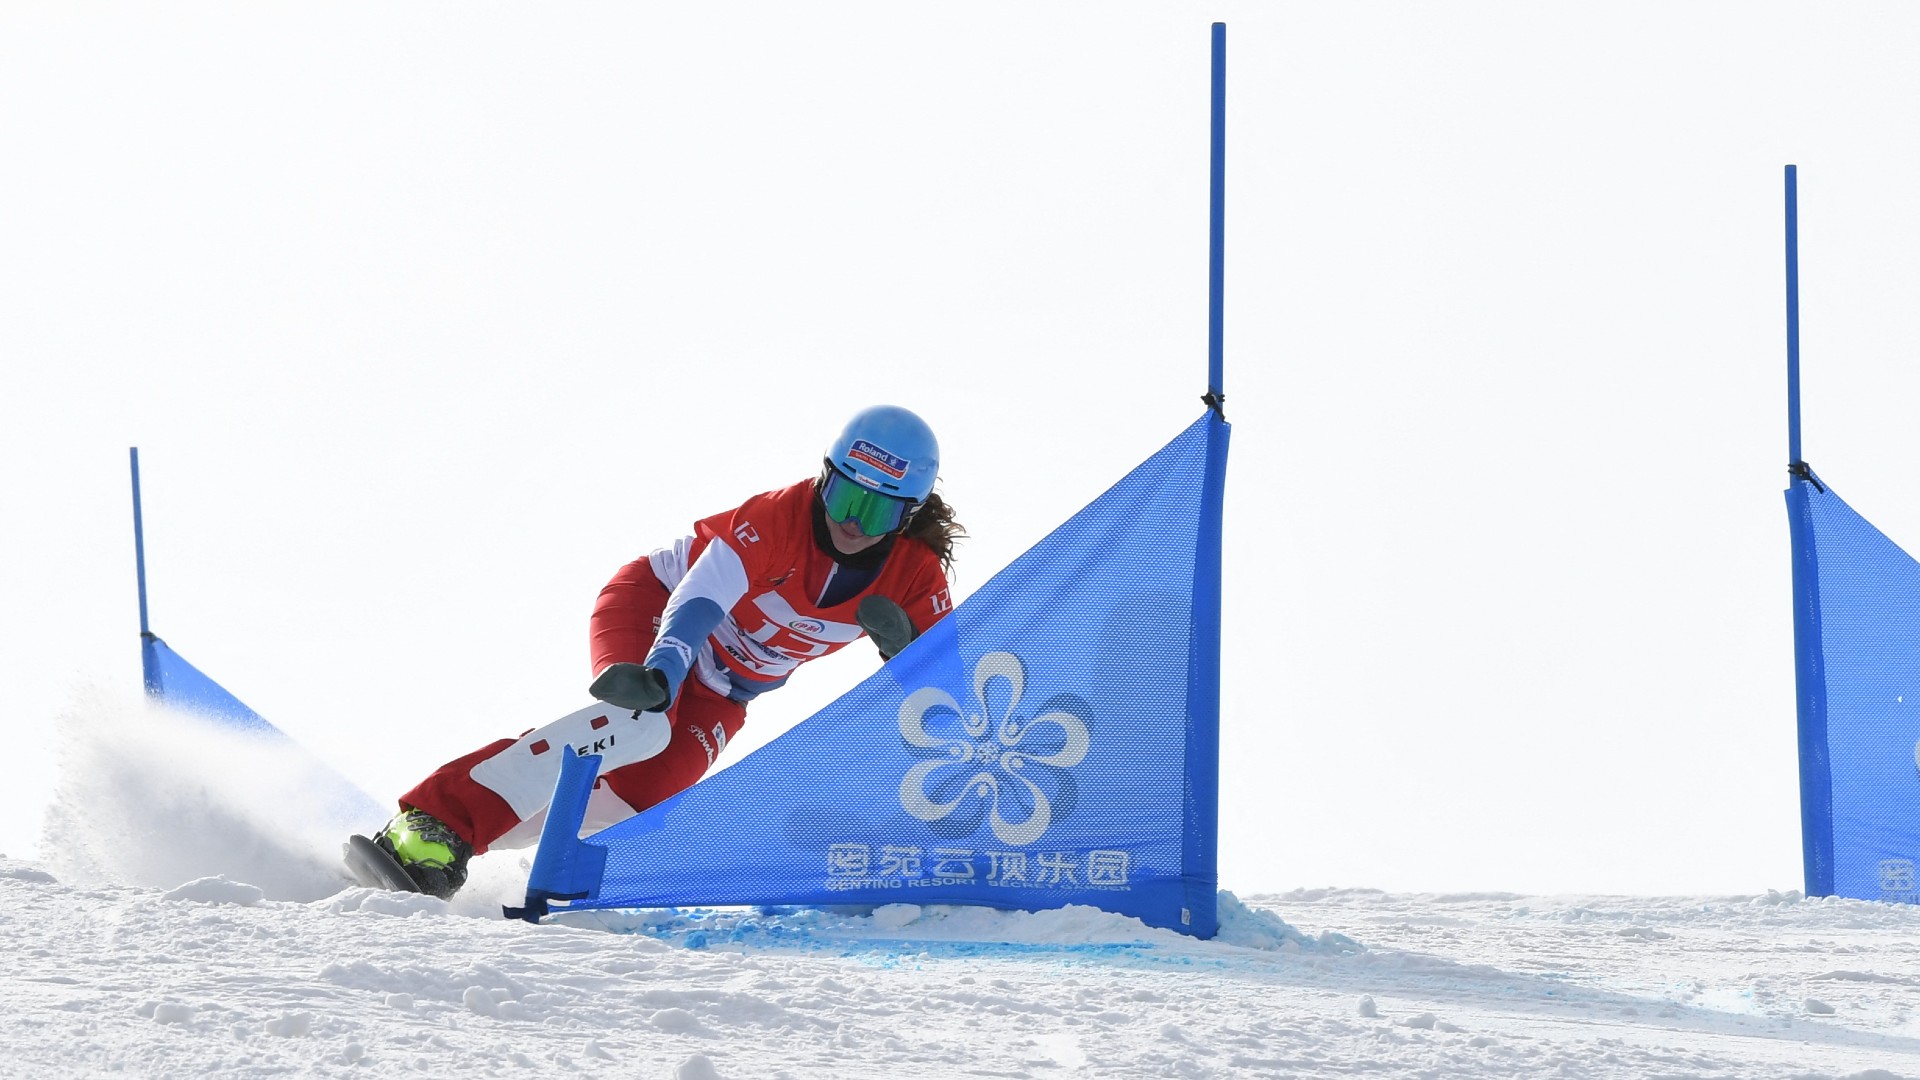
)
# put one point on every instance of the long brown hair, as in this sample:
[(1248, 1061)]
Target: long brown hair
[(933, 525)]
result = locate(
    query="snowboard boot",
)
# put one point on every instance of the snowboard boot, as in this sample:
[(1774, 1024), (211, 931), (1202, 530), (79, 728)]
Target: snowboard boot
[(432, 854)]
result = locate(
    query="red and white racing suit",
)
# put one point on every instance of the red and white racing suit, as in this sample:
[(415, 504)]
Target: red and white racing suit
[(773, 598)]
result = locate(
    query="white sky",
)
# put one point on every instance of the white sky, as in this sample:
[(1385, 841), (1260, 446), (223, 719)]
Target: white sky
[(426, 318)]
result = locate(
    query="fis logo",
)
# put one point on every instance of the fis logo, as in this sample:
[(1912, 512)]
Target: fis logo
[(879, 458), (747, 533)]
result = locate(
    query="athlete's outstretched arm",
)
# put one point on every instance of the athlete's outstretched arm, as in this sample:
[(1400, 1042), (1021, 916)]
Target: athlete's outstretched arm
[(714, 583)]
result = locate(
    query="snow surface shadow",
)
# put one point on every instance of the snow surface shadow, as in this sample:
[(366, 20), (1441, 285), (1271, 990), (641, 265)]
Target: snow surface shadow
[(1450, 985), (1254, 946), (1545, 998)]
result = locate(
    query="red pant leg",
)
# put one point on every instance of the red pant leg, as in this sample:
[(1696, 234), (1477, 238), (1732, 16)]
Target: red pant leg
[(478, 815), (626, 618), (703, 722)]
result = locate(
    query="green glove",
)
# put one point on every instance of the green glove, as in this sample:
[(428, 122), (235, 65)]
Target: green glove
[(887, 624)]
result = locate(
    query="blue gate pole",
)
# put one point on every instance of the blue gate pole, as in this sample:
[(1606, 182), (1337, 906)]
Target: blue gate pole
[(1217, 226), (1793, 319), (139, 542), (1199, 913), (1809, 653)]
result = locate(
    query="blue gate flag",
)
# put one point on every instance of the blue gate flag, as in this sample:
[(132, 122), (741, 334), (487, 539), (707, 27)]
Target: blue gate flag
[(174, 682), (168, 676), (1857, 645), (171, 679), (1054, 741)]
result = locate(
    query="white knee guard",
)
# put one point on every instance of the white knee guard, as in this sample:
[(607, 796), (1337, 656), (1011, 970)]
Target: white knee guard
[(524, 774)]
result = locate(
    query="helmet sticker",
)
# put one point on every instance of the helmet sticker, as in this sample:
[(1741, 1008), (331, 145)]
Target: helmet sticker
[(879, 458)]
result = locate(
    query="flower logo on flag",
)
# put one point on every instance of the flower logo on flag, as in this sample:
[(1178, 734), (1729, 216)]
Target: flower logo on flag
[(990, 767)]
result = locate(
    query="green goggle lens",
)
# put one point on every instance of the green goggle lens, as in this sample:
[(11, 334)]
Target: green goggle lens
[(844, 498)]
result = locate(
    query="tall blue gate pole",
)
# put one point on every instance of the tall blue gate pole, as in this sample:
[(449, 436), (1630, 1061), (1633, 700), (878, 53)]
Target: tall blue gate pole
[(139, 541), (1809, 654), (150, 674), (1793, 319), (1217, 226), (150, 667), (1200, 912)]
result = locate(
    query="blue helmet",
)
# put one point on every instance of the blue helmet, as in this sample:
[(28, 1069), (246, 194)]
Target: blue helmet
[(889, 450)]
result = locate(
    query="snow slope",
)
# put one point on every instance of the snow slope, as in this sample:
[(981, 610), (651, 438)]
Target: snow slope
[(233, 949), (210, 979)]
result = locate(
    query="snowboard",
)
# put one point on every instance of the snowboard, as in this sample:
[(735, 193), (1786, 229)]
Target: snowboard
[(373, 868)]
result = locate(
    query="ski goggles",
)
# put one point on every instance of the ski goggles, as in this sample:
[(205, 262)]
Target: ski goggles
[(845, 498)]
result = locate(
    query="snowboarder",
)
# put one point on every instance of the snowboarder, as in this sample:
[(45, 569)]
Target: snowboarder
[(684, 638)]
